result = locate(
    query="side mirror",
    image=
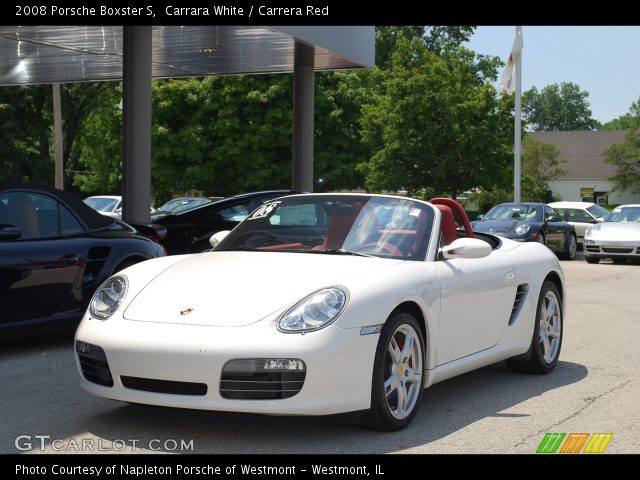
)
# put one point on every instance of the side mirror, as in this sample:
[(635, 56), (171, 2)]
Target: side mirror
[(10, 232), (216, 238), (466, 248), (480, 217), (553, 218)]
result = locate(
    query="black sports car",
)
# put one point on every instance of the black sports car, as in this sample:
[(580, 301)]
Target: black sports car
[(530, 222), (54, 252), (189, 231)]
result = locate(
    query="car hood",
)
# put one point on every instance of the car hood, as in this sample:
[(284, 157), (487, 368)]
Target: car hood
[(497, 226), (618, 230), (233, 289)]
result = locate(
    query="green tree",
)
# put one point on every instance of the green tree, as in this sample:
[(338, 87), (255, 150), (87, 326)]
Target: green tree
[(541, 162), (437, 124), (558, 107), (626, 157), (626, 121)]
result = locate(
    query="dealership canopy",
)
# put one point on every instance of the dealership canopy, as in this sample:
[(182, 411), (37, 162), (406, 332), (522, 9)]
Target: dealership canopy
[(135, 54)]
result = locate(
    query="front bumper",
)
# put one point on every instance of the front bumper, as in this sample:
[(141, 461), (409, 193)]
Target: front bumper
[(338, 363), (611, 248)]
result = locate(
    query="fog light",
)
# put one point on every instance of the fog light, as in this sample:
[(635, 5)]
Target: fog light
[(284, 364), (82, 347)]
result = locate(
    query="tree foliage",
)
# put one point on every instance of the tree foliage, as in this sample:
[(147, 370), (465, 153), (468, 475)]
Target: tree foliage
[(437, 124), (626, 157), (541, 162), (558, 107), (626, 121)]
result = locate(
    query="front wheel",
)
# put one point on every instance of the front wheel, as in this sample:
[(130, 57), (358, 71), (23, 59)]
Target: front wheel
[(544, 350), (592, 259), (398, 374)]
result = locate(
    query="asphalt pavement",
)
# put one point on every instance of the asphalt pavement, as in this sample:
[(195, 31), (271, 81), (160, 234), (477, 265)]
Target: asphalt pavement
[(595, 388)]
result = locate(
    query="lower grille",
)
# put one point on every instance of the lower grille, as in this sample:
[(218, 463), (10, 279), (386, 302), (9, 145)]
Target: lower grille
[(164, 386), (592, 249), (249, 379), (617, 249), (93, 363)]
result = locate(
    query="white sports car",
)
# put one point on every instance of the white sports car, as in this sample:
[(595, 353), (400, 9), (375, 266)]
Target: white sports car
[(618, 237), (321, 304)]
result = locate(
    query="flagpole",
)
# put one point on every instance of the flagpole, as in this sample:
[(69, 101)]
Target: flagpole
[(518, 125)]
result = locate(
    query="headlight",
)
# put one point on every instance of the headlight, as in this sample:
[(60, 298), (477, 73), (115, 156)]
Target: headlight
[(592, 229), (523, 228), (108, 297), (313, 312)]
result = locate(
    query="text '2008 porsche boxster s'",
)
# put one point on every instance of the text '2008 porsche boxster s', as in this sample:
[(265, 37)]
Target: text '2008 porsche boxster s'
[(321, 304)]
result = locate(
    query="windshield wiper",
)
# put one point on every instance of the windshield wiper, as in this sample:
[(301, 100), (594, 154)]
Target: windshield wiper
[(338, 251)]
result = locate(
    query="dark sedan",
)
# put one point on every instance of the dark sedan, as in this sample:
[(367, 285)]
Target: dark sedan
[(530, 222), (54, 253), (189, 231)]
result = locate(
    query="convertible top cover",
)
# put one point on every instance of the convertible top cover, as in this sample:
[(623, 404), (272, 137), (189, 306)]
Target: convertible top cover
[(92, 219)]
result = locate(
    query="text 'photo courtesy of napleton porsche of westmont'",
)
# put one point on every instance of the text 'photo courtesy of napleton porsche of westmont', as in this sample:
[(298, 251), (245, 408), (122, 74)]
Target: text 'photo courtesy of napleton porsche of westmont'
[(269, 242)]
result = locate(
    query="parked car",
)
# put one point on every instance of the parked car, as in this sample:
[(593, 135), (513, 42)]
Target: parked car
[(618, 237), (109, 205), (189, 231), (580, 214), (322, 304), (181, 204), (54, 252), (530, 222)]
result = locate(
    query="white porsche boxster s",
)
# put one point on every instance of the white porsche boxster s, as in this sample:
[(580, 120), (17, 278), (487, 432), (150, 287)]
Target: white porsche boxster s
[(321, 304)]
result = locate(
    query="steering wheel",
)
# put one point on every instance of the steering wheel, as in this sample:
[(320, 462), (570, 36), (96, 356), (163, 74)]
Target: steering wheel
[(386, 247)]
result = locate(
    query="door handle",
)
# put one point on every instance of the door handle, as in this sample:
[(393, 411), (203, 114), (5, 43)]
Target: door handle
[(71, 259)]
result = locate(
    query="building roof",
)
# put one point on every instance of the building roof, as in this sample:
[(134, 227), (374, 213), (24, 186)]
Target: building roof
[(583, 151)]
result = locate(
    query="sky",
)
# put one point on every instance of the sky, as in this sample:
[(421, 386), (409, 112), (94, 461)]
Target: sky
[(604, 61)]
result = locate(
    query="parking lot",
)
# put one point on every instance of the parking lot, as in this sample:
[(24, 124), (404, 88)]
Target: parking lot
[(595, 388)]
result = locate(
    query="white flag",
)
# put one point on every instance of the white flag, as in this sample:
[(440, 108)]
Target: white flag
[(508, 79)]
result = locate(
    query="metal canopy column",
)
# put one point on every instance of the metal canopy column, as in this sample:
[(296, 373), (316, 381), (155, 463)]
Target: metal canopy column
[(136, 115), (303, 109)]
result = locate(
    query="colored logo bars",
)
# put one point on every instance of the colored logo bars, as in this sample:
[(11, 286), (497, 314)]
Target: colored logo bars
[(573, 442)]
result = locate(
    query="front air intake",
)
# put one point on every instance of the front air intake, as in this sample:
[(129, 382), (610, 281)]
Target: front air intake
[(521, 296), (262, 378), (93, 363)]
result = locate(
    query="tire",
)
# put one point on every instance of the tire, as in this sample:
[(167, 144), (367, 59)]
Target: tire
[(570, 248), (543, 356), (592, 259), (408, 371)]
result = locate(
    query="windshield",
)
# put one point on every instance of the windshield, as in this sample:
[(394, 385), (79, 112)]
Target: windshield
[(183, 204), (625, 214), (598, 211), (512, 211), (101, 204), (337, 224)]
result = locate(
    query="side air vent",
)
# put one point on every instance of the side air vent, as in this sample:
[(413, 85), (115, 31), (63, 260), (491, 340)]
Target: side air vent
[(521, 296), (96, 258)]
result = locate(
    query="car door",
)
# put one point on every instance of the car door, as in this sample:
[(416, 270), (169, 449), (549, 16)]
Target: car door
[(476, 298), (581, 220), (554, 229), (39, 268)]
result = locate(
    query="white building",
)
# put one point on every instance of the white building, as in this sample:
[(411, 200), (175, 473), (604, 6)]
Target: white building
[(587, 177)]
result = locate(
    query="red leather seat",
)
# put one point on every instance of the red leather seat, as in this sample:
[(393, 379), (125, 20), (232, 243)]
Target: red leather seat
[(448, 226), (338, 229)]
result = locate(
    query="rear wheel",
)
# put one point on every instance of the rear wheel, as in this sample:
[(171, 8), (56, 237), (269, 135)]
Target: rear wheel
[(570, 248), (592, 259), (544, 350), (398, 375)]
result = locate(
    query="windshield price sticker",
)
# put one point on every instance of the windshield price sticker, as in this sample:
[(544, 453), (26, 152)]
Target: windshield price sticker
[(264, 211)]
